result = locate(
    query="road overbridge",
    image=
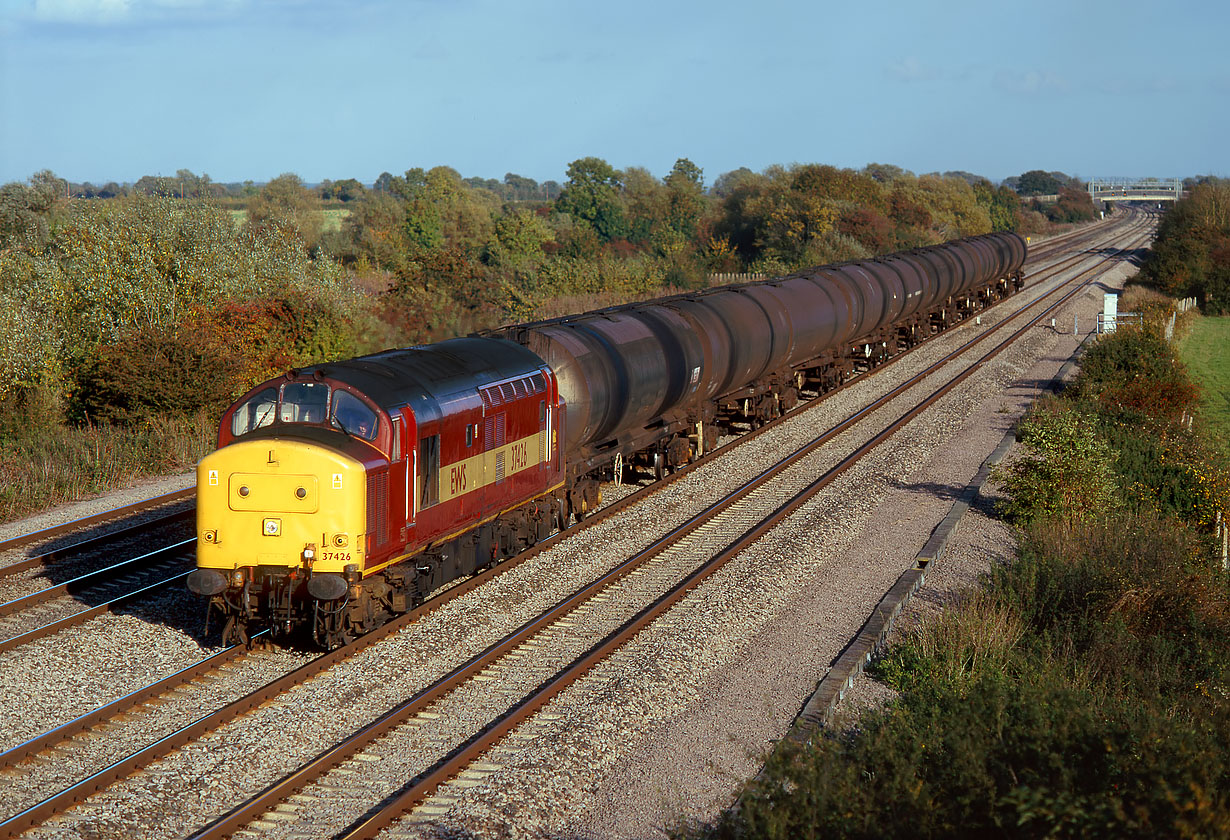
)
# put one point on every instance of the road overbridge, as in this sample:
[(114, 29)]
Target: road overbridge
[(1135, 189)]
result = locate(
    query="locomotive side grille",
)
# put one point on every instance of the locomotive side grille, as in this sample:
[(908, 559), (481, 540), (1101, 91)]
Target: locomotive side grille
[(488, 433), (500, 429), (378, 508), (371, 504), (499, 467)]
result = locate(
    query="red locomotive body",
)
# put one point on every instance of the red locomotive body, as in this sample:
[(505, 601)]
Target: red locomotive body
[(408, 468)]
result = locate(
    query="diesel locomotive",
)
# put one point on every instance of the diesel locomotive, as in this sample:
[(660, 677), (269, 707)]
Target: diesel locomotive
[(343, 493)]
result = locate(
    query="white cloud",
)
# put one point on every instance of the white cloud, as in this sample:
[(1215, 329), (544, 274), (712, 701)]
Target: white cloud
[(106, 12), (1030, 82), (81, 11), (910, 69)]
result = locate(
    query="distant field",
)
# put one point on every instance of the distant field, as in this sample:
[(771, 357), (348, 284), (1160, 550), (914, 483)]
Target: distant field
[(1206, 352), (333, 218)]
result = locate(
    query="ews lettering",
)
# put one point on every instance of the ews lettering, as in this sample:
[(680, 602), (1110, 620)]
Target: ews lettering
[(457, 479)]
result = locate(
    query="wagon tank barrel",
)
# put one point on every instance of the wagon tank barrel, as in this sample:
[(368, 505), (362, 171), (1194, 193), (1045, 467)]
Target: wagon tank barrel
[(622, 368)]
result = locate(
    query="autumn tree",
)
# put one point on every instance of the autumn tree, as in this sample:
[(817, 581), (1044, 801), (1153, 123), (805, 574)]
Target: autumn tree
[(1191, 254), (646, 203), (287, 204), (518, 241), (954, 209), (27, 210), (346, 190), (885, 173), (592, 195), (375, 230), (685, 189), (1001, 203), (1073, 205), (1037, 182)]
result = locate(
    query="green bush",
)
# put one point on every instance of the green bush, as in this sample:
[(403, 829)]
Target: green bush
[(1066, 471)]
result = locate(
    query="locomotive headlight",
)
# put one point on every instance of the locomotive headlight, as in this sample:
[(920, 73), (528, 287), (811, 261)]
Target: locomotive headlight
[(210, 536), (309, 553), (272, 527), (339, 540)]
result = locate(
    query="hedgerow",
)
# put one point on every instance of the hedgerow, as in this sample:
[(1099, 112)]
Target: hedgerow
[(131, 295)]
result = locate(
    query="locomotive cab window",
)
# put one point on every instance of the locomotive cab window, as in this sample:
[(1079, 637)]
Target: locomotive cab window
[(305, 402), (256, 412), (353, 416), (469, 434), (429, 471)]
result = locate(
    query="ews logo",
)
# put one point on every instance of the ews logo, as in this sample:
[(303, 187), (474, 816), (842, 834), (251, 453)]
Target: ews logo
[(457, 479)]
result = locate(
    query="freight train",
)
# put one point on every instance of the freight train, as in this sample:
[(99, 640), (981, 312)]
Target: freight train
[(343, 493)]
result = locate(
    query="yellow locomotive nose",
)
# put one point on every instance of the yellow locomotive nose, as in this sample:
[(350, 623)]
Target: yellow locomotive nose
[(266, 505)]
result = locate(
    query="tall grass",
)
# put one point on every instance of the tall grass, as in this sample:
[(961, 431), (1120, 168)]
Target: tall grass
[(45, 465)]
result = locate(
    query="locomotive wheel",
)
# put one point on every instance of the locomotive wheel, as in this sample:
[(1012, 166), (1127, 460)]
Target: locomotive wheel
[(659, 466), (235, 632)]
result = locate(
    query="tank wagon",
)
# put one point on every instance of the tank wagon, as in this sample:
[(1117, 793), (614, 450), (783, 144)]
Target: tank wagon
[(344, 493), (655, 383)]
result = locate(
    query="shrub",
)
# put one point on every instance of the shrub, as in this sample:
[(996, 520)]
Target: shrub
[(1066, 472), (156, 372), (1133, 599), (1121, 368)]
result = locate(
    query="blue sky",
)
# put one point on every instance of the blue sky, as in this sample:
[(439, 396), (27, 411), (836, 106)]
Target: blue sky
[(104, 90)]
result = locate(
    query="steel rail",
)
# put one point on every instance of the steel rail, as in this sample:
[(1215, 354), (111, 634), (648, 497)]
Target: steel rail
[(83, 723), (66, 553), (95, 519), (85, 615), (103, 576)]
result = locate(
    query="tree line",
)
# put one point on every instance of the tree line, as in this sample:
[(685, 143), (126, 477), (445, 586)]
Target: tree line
[(219, 285)]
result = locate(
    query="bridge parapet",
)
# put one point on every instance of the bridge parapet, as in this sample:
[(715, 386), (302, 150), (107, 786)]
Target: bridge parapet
[(1135, 189)]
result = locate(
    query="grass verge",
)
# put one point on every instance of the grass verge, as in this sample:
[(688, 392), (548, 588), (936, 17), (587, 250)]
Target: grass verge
[(1206, 352), (58, 464)]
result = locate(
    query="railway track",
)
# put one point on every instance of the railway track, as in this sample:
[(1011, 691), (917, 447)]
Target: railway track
[(326, 662), (668, 566), (27, 615)]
